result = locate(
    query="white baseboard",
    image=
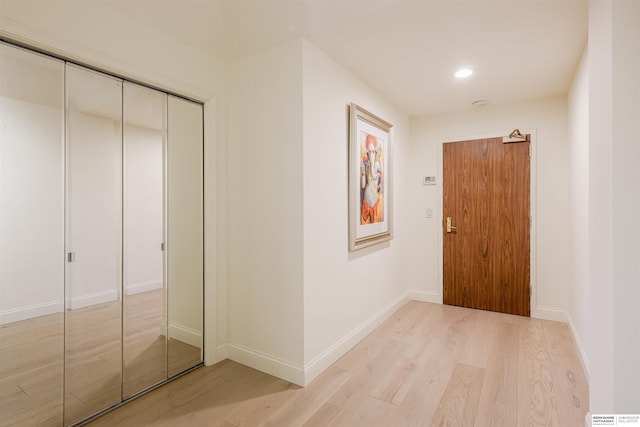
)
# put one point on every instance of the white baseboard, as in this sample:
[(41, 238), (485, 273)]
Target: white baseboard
[(582, 354), (302, 376), (92, 299), (548, 313), (186, 335), (426, 296), (266, 363), (139, 288), (221, 353), (30, 311), (323, 361)]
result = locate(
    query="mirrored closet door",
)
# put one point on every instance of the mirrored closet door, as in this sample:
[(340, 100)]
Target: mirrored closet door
[(31, 238), (93, 314), (101, 256), (144, 309), (185, 234)]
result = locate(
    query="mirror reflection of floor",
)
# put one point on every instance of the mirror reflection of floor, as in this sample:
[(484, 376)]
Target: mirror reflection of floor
[(31, 360), (145, 351), (32, 352)]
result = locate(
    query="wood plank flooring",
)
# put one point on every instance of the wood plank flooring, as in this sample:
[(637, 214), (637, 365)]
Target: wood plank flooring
[(427, 365)]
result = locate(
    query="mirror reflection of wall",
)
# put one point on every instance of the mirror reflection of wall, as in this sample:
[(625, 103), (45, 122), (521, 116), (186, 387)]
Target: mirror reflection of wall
[(101, 239), (144, 341), (185, 233), (31, 237), (93, 315)]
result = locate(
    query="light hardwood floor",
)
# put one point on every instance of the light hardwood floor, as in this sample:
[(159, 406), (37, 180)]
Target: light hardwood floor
[(428, 365)]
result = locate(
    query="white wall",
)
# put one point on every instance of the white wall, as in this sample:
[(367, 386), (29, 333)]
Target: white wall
[(297, 299), (548, 117), (578, 109), (345, 293), (600, 339), (613, 343), (626, 204), (265, 235)]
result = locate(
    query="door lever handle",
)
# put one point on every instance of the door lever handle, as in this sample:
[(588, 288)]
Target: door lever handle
[(450, 228)]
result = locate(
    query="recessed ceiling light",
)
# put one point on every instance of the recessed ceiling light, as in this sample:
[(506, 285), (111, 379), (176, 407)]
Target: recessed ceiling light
[(463, 73)]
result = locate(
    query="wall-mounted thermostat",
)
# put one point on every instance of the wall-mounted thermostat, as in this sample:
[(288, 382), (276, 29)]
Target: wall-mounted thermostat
[(429, 180)]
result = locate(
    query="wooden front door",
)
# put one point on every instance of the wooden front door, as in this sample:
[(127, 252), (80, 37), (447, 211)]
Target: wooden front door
[(486, 245)]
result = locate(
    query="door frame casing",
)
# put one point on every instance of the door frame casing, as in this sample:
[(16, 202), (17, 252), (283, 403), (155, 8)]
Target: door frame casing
[(533, 273)]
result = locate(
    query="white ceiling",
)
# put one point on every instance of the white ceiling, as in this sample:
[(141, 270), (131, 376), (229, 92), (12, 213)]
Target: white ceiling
[(407, 50), (518, 49)]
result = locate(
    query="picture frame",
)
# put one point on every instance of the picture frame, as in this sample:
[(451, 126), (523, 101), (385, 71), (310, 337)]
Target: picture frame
[(370, 179)]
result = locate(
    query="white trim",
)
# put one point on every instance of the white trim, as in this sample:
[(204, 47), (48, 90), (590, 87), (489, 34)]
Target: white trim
[(222, 353), (210, 302), (92, 299), (533, 186), (266, 363), (582, 353), (324, 360), (31, 311), (426, 296), (186, 335), (139, 288), (533, 231), (549, 313), (302, 376)]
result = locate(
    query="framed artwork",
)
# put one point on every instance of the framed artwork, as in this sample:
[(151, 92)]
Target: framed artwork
[(370, 198)]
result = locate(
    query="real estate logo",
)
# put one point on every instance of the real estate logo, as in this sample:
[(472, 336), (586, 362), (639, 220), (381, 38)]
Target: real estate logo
[(627, 420)]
